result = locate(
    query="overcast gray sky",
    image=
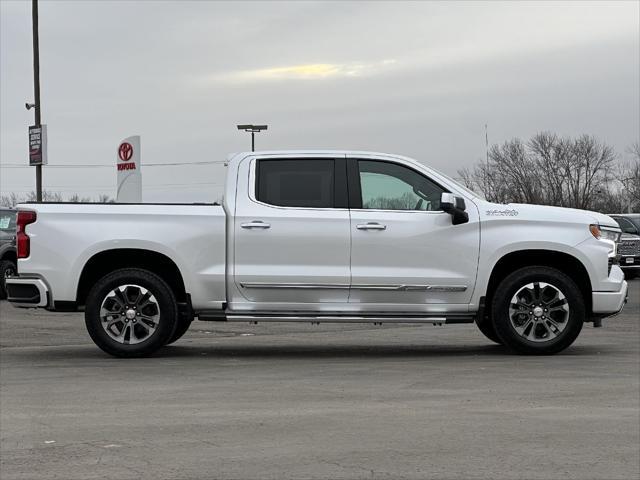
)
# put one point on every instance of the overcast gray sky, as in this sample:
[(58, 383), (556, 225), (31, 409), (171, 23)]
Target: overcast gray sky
[(415, 78)]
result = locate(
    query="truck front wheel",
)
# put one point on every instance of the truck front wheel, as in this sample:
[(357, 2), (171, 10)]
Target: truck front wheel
[(538, 311), (131, 313)]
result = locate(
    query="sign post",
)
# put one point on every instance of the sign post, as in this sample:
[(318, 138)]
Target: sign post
[(36, 92), (129, 188)]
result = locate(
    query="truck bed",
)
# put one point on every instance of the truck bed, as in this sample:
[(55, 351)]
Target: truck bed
[(67, 235)]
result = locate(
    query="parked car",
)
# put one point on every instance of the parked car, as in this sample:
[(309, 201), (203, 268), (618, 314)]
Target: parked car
[(629, 247), (322, 236), (8, 257)]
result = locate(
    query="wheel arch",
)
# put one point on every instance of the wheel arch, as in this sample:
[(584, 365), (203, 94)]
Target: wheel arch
[(10, 254), (107, 261), (562, 261)]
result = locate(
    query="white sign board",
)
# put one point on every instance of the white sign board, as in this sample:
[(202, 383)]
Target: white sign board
[(129, 174)]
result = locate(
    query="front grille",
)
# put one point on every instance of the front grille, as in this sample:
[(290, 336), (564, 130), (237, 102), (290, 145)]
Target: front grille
[(629, 247)]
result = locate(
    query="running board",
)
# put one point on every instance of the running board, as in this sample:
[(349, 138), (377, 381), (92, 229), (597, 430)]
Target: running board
[(336, 318)]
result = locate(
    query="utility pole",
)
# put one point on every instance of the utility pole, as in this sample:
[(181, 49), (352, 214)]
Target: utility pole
[(36, 88), (253, 129), (486, 166)]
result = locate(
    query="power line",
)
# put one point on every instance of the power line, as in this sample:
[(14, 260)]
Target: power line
[(86, 187), (111, 165)]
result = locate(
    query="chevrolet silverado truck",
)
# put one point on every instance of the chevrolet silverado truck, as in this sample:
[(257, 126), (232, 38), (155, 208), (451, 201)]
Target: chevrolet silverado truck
[(322, 236)]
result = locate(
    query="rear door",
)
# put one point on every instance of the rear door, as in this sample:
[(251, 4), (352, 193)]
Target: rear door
[(292, 234), (406, 254)]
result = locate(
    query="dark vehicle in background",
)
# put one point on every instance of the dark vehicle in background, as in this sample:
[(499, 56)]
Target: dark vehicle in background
[(629, 246), (8, 257)]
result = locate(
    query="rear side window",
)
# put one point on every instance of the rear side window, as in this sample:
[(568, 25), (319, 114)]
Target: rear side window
[(296, 183)]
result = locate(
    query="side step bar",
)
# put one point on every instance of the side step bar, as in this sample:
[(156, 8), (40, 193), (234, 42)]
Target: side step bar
[(438, 319)]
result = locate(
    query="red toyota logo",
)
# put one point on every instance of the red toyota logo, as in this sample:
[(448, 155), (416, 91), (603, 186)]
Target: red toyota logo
[(125, 151)]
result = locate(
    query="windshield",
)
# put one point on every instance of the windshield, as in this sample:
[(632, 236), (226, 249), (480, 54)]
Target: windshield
[(7, 221), (628, 224)]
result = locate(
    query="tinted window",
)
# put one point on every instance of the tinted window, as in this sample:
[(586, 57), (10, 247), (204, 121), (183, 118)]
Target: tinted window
[(7, 220), (635, 221), (389, 186), (626, 225), (296, 183)]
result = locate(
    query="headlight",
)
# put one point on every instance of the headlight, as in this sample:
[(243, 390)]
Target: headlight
[(605, 233)]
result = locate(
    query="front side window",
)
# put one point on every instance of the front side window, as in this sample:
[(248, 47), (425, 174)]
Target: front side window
[(296, 183), (389, 186)]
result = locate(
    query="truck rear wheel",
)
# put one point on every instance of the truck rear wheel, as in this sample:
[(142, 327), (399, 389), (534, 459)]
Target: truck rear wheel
[(131, 313), (538, 311)]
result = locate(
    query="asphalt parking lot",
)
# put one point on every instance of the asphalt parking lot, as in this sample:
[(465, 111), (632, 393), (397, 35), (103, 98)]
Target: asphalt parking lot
[(302, 401)]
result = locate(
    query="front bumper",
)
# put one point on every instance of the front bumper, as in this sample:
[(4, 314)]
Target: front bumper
[(27, 292), (629, 262), (609, 303)]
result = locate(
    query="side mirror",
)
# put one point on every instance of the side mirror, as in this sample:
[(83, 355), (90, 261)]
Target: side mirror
[(455, 207)]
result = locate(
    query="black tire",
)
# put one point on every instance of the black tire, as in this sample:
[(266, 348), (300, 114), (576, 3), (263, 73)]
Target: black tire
[(556, 339), (163, 306), (488, 330), (630, 275), (181, 329), (7, 268)]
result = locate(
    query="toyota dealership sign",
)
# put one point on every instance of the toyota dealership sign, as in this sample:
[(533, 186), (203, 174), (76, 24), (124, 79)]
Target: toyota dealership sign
[(129, 174)]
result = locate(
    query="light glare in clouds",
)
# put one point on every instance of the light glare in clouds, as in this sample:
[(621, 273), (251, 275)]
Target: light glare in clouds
[(309, 71)]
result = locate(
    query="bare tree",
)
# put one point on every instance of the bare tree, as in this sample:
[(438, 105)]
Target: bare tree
[(47, 196), (10, 200), (105, 199), (628, 175), (13, 199), (548, 170), (75, 198)]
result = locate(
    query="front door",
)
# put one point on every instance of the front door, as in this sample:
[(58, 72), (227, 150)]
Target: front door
[(406, 254), (292, 235)]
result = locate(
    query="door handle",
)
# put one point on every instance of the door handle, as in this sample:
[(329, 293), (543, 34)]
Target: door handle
[(255, 224), (371, 226)]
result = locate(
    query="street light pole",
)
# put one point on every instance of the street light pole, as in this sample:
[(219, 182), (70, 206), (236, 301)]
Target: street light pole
[(36, 88), (253, 129)]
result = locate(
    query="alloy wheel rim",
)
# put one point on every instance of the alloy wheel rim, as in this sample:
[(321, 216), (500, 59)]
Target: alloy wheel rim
[(539, 312), (129, 314)]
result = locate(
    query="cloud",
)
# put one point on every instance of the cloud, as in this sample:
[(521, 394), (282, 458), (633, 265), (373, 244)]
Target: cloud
[(308, 71)]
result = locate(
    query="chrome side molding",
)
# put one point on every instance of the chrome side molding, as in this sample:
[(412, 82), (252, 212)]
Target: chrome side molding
[(340, 286), (413, 288), (323, 286)]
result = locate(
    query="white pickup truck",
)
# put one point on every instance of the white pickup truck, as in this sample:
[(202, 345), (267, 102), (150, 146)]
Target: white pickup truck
[(322, 236)]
